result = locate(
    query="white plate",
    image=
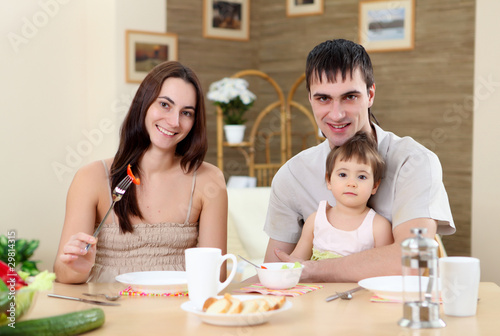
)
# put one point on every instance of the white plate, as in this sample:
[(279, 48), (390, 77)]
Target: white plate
[(391, 287), (155, 282), (235, 319)]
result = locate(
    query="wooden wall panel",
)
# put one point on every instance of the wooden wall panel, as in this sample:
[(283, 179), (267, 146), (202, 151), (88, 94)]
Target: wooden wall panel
[(424, 93)]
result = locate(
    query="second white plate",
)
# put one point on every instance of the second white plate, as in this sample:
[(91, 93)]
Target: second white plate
[(391, 287), (155, 282), (235, 319)]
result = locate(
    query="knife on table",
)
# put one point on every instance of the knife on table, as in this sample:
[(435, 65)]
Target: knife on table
[(96, 302)]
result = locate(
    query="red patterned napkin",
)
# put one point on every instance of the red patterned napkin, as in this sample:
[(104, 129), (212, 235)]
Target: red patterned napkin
[(130, 292), (295, 291)]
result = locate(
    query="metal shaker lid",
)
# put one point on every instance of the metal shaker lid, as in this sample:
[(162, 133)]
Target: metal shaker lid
[(419, 242)]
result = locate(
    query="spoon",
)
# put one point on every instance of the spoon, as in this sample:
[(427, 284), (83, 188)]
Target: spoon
[(251, 263), (108, 297)]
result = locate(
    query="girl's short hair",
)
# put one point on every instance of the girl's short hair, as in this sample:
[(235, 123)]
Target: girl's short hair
[(361, 147)]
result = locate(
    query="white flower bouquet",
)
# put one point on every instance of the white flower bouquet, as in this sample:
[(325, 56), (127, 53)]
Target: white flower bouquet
[(233, 97)]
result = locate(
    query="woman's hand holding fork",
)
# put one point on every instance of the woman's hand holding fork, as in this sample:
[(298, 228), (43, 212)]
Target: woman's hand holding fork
[(76, 256)]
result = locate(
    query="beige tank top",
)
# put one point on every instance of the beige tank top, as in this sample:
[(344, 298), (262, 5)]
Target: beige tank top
[(151, 247)]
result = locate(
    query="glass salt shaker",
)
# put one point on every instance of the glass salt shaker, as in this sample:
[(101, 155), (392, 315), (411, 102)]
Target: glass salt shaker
[(420, 282)]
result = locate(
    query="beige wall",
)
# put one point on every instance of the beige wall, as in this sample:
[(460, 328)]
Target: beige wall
[(63, 95), (486, 147)]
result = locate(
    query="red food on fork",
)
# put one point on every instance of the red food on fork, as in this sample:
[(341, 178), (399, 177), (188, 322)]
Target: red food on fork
[(134, 179)]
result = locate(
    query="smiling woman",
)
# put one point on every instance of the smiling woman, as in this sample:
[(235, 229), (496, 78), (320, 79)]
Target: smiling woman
[(163, 137), (169, 121)]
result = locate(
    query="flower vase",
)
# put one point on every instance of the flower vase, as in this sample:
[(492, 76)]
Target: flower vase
[(234, 133)]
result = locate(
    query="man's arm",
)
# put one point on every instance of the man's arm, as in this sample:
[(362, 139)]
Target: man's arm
[(379, 261), (304, 248), (276, 244), (283, 215)]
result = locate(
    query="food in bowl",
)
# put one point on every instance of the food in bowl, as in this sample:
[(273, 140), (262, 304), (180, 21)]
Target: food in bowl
[(14, 306), (280, 275), (17, 296), (295, 265)]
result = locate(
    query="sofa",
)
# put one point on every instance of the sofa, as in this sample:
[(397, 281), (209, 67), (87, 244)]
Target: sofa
[(247, 209)]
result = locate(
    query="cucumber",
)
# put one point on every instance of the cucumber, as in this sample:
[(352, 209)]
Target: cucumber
[(60, 325)]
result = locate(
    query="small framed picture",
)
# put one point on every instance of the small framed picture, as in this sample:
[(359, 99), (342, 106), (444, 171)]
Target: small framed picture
[(145, 50), (387, 25), (304, 7), (227, 20)]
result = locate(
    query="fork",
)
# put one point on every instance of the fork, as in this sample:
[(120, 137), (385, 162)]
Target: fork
[(346, 295), (118, 192)]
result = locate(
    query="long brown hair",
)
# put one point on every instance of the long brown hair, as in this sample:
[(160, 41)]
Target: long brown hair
[(134, 138)]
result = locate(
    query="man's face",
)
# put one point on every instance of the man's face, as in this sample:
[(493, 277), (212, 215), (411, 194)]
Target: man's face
[(341, 108)]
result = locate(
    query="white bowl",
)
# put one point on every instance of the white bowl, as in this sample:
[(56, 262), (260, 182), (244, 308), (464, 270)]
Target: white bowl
[(275, 277)]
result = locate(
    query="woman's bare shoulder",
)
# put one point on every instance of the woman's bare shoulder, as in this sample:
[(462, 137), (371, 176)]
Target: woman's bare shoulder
[(90, 183), (207, 173), (93, 172)]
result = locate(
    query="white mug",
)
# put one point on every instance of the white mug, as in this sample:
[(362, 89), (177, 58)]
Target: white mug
[(203, 266), (459, 285)]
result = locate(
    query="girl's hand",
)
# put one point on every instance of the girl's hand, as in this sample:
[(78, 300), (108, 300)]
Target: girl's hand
[(285, 257), (308, 272), (74, 254)]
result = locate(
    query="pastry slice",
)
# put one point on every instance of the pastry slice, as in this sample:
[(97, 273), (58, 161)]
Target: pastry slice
[(249, 307), (219, 306), (275, 302), (236, 305)]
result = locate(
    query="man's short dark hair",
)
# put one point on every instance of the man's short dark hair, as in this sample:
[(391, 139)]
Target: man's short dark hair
[(338, 56)]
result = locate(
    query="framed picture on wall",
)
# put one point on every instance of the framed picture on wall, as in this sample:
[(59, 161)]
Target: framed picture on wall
[(387, 25), (304, 7), (145, 50), (227, 20)]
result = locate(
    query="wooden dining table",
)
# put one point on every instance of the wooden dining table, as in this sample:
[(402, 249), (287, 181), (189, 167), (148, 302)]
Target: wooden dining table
[(309, 314)]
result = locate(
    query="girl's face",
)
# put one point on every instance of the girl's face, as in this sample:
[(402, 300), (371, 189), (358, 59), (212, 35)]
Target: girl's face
[(171, 116), (352, 182)]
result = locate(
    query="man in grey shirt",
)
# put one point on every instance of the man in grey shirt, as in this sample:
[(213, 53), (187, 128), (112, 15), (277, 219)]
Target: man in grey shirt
[(341, 86)]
